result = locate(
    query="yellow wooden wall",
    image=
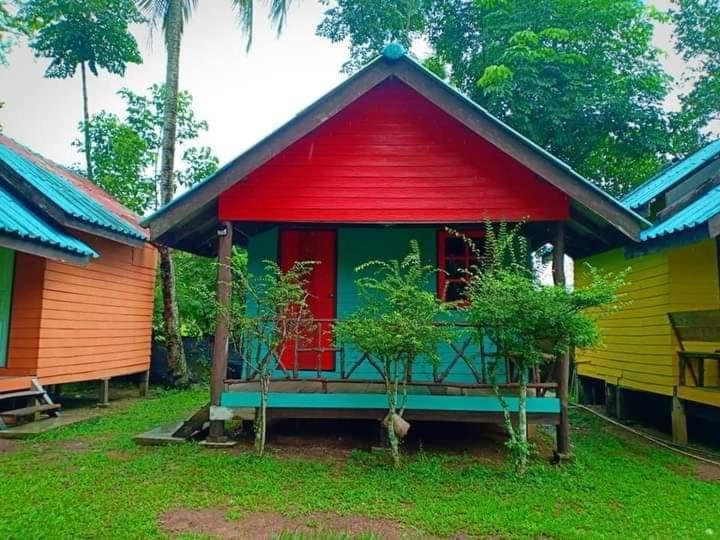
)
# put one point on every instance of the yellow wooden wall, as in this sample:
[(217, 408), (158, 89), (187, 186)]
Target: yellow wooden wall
[(639, 348)]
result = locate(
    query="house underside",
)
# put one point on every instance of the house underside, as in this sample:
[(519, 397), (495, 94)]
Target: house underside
[(392, 155)]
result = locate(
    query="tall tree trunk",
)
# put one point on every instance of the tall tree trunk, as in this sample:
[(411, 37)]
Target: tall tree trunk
[(173, 30), (86, 123)]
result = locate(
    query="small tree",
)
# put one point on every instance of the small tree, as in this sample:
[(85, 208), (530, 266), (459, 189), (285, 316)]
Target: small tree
[(277, 317), (90, 34), (526, 320), (397, 324)]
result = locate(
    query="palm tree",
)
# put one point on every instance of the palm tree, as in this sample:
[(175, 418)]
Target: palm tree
[(173, 15)]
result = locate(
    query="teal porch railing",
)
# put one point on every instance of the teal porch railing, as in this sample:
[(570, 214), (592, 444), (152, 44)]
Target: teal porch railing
[(467, 363)]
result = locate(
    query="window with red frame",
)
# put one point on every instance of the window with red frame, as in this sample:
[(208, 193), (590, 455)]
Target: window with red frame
[(455, 258)]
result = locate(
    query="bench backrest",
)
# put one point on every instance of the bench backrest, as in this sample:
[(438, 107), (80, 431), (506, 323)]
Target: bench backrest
[(697, 326)]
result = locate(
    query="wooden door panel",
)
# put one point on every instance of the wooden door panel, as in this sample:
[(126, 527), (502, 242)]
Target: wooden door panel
[(320, 246)]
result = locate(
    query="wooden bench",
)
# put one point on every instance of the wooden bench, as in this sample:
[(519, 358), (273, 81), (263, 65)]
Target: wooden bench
[(696, 327)]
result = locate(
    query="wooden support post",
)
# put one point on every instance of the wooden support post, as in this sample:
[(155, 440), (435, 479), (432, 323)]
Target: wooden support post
[(145, 383), (104, 393), (620, 404), (563, 429), (587, 391), (679, 421), (610, 400), (37, 415), (222, 327), (558, 260)]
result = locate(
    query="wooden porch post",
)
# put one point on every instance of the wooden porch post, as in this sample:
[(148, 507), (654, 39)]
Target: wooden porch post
[(222, 327), (558, 270)]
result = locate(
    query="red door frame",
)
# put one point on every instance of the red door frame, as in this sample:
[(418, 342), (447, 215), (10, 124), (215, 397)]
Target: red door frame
[(322, 335)]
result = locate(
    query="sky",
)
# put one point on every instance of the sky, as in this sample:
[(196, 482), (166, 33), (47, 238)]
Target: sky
[(242, 96)]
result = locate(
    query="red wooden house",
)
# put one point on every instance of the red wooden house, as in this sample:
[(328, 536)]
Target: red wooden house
[(76, 278), (392, 154)]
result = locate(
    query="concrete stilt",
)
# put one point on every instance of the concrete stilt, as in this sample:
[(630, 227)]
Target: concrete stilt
[(679, 421), (145, 383), (104, 393), (610, 400)]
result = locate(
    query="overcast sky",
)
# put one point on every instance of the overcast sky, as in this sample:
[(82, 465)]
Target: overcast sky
[(242, 96)]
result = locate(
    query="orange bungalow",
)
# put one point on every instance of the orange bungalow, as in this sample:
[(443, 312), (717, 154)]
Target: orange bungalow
[(76, 281)]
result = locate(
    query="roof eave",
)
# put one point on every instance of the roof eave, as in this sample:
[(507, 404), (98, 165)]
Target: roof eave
[(182, 209), (42, 249), (48, 207)]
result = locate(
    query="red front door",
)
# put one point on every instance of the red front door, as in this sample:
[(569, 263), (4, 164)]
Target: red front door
[(315, 352)]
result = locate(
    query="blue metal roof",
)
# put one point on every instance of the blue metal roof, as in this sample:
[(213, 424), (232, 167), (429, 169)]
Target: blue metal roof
[(72, 200), (671, 176), (18, 220), (696, 213)]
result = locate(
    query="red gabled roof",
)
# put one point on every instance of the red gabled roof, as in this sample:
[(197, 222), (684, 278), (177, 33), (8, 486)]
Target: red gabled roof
[(392, 156), (194, 213)]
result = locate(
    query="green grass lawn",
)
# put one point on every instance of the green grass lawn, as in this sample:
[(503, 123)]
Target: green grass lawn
[(92, 481)]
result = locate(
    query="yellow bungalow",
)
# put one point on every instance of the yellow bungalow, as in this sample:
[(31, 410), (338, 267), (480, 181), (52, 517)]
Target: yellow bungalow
[(673, 273)]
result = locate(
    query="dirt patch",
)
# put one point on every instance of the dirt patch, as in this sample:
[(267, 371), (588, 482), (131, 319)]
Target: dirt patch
[(7, 446), (702, 471), (221, 523), (708, 472), (329, 440), (119, 455), (74, 446)]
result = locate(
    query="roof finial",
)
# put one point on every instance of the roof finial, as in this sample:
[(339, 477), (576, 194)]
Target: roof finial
[(394, 51)]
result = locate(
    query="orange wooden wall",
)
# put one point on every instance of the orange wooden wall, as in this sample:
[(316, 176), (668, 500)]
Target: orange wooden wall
[(72, 323), (25, 315)]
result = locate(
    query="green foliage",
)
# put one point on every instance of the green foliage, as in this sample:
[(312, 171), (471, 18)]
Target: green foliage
[(276, 318), (120, 158), (13, 26), (144, 113), (125, 162), (581, 79), (369, 26), (126, 152), (103, 485), (396, 324), (157, 11), (697, 30), (94, 32), (397, 314), (527, 320), (275, 296), (197, 293), (200, 163)]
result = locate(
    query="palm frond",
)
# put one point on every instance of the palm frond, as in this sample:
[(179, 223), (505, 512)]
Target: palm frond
[(246, 15), (278, 14), (157, 11), (154, 10)]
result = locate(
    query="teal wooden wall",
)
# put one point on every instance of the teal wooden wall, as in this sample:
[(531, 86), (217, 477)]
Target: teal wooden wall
[(357, 245)]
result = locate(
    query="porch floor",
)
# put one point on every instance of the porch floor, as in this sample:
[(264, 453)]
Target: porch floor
[(313, 399)]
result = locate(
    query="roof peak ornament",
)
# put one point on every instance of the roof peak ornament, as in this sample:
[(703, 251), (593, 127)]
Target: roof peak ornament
[(394, 51)]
